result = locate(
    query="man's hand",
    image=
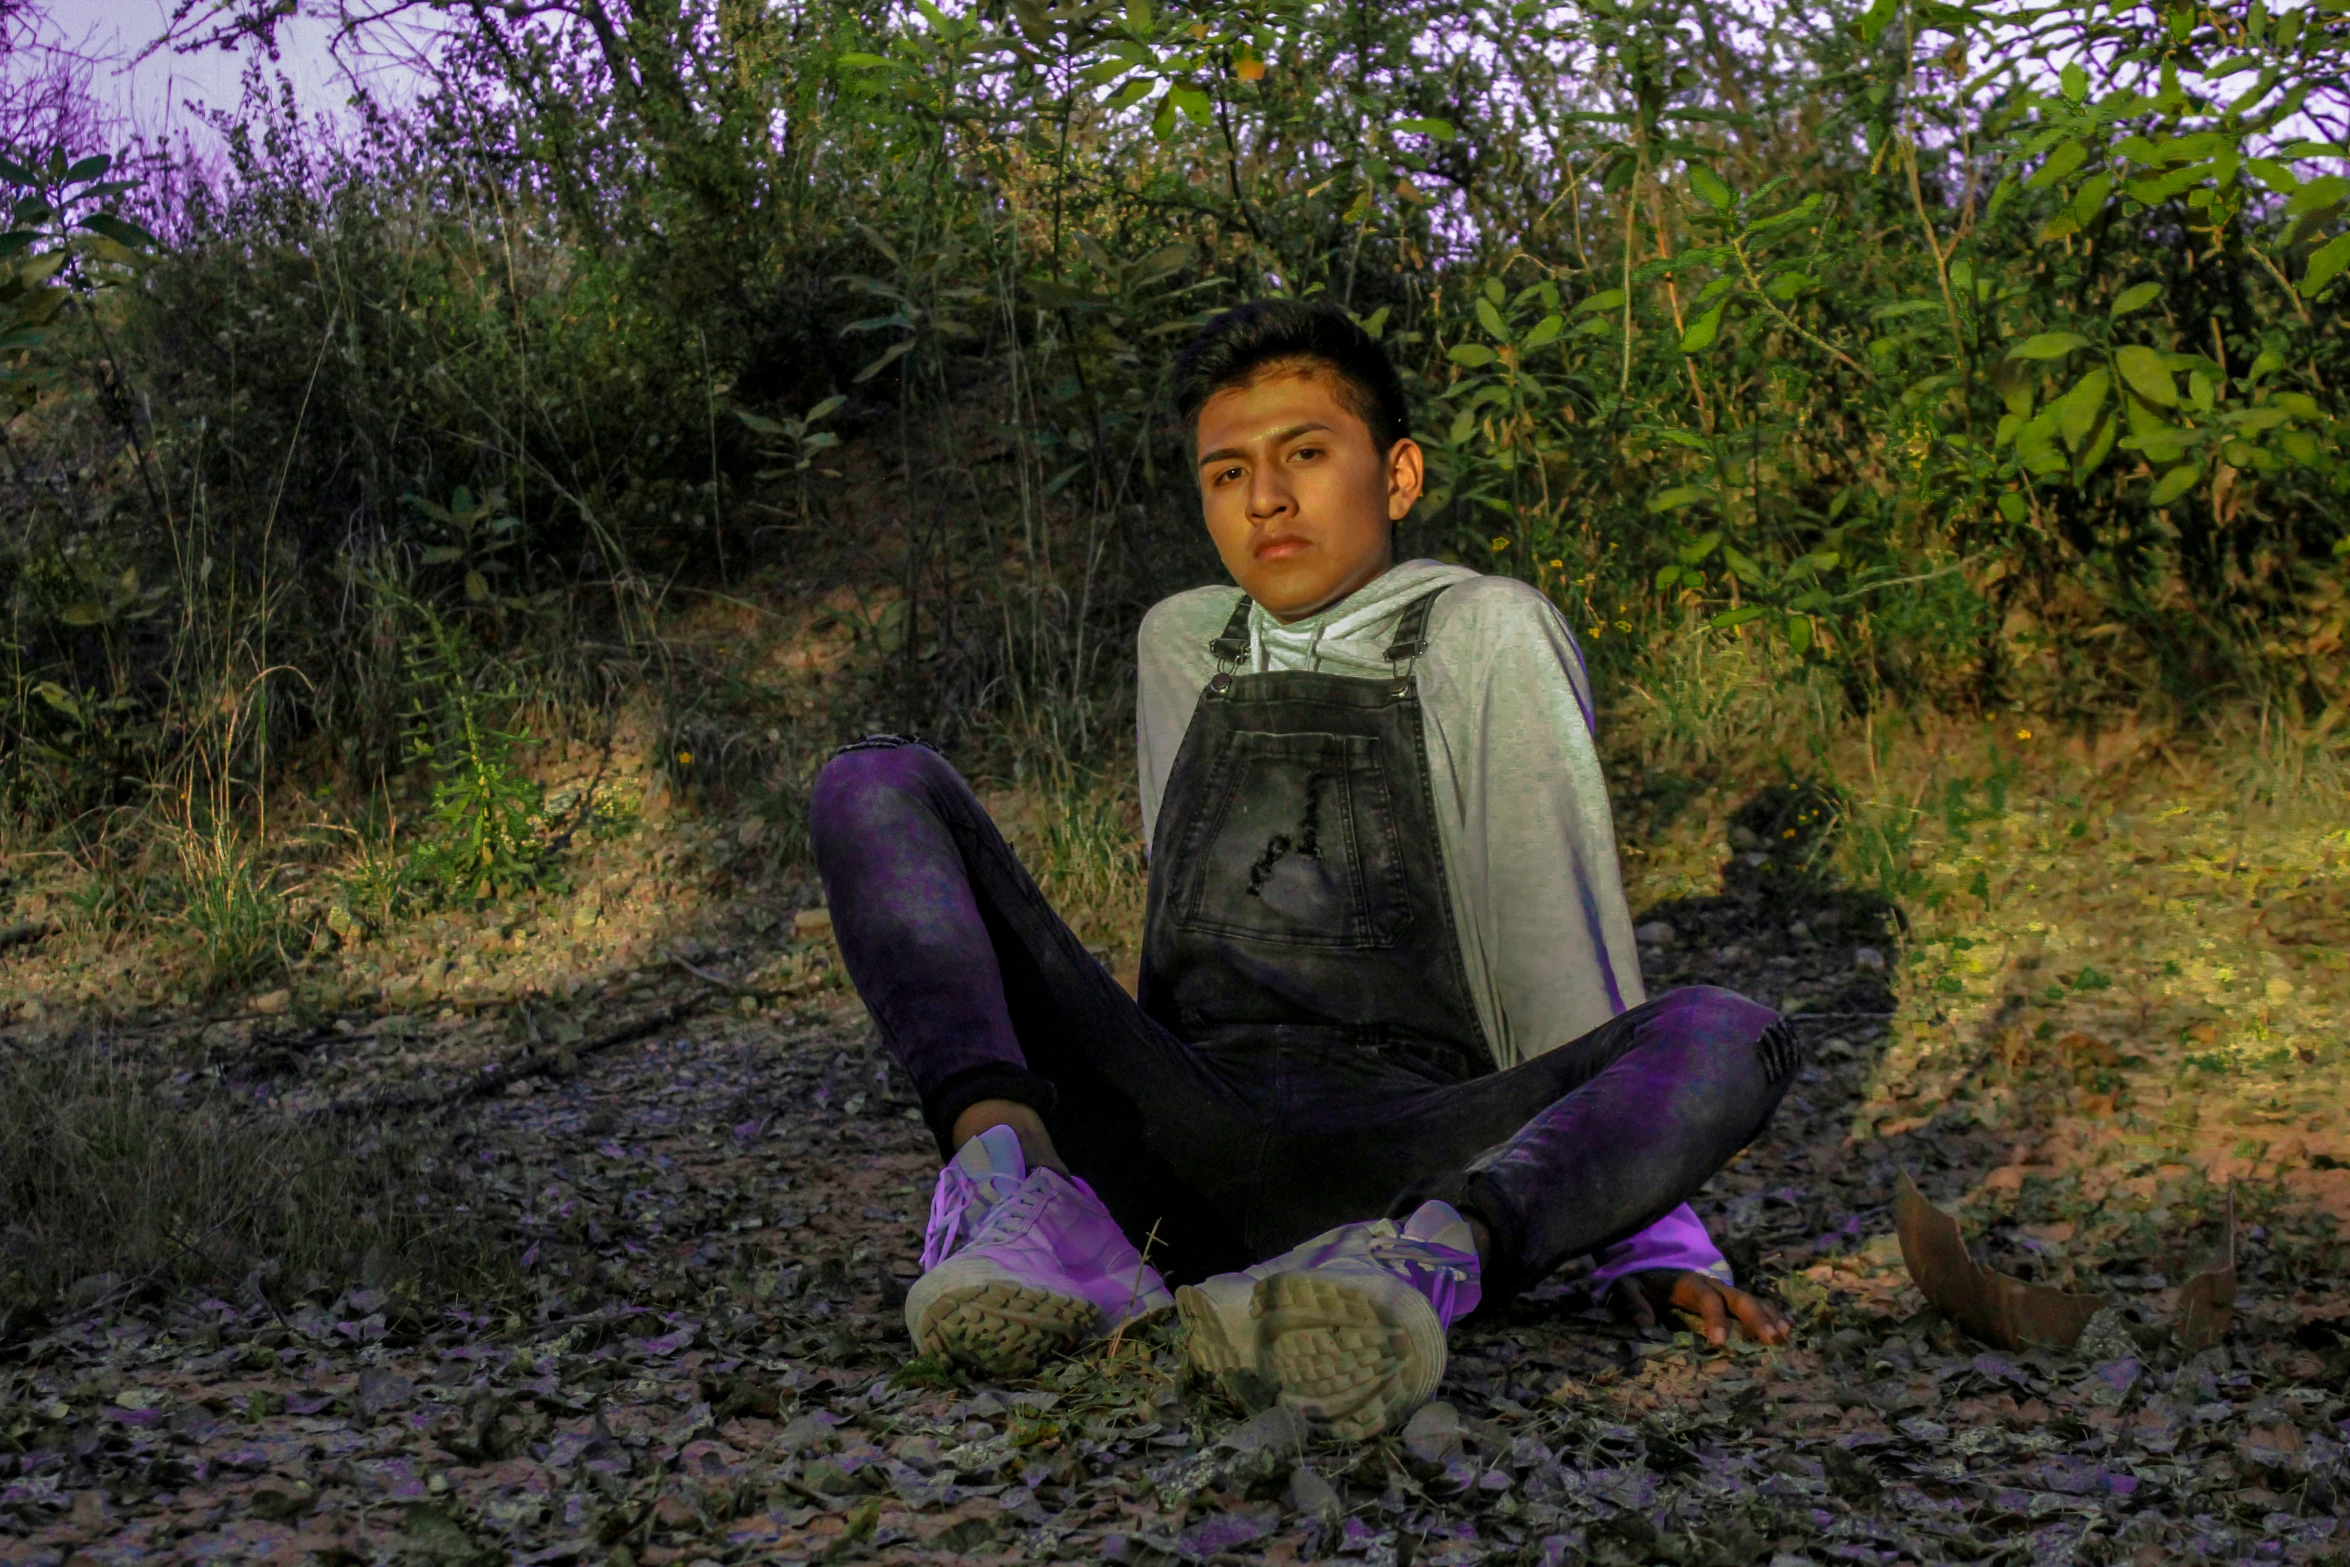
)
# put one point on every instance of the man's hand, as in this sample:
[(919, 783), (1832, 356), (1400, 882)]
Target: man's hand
[(1639, 1297)]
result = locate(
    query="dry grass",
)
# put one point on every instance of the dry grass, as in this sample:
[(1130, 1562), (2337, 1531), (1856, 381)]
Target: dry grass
[(112, 1186)]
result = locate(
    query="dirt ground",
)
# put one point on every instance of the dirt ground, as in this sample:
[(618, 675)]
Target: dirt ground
[(718, 1221)]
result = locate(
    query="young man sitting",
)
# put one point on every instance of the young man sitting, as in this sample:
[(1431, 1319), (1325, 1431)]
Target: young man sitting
[(1390, 1055)]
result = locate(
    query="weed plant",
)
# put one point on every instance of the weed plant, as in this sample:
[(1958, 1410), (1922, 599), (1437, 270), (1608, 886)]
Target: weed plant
[(1942, 365)]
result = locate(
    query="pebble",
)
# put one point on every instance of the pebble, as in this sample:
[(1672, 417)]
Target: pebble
[(1655, 933)]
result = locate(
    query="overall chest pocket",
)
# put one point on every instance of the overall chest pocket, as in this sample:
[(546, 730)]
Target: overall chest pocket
[(1296, 844)]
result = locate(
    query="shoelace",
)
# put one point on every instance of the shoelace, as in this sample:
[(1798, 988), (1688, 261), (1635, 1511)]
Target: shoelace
[(951, 1202), (1441, 1271)]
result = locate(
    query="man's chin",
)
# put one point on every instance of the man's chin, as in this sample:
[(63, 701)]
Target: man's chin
[(1287, 598)]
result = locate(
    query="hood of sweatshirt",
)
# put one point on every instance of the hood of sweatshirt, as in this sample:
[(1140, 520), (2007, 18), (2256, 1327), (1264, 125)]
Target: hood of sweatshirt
[(1351, 636)]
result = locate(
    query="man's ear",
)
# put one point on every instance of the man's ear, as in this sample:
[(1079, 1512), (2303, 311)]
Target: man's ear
[(1407, 473)]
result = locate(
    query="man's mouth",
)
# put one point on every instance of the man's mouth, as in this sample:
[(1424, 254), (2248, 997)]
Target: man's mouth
[(1282, 546)]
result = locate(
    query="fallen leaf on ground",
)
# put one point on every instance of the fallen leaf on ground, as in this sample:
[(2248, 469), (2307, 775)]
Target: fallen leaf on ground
[(2004, 1312)]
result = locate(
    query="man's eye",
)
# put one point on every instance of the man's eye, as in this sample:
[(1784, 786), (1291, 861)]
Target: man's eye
[(1306, 453)]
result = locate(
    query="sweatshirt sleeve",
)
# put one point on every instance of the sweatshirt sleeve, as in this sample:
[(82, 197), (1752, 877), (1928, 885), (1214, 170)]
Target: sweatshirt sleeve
[(1544, 925), (1677, 1241)]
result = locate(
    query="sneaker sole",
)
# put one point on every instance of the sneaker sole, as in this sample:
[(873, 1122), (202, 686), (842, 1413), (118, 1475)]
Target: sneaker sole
[(1356, 1352), (996, 1326), (1219, 1325)]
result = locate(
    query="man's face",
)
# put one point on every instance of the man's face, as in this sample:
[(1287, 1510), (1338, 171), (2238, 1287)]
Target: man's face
[(1299, 499)]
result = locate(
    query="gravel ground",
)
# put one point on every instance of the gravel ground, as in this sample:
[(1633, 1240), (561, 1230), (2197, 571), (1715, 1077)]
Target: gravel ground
[(717, 1222)]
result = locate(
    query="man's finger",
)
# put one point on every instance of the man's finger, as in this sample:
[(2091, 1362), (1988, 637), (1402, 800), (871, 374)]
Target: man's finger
[(1758, 1319), (1714, 1318)]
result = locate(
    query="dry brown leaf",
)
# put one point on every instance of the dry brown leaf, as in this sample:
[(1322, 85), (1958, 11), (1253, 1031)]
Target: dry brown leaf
[(2207, 1301), (2003, 1312)]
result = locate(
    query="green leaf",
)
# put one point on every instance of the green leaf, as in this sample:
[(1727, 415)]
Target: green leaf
[(1136, 89), (889, 356), (2136, 297), (1612, 299), (16, 173), (1799, 633), (1696, 550), (2060, 163), (2317, 195), (1710, 188), (2089, 200), (1193, 102), (2142, 367), (758, 422), (2330, 258), (2077, 411), (1470, 356), (2049, 345), (1873, 21), (1545, 332), (1737, 617), (1748, 569), (1703, 330), (2175, 483), (2075, 82), (121, 230), (858, 60), (88, 169), (1442, 130), (83, 614), (1464, 424), (1490, 319), (825, 409), (1667, 576)]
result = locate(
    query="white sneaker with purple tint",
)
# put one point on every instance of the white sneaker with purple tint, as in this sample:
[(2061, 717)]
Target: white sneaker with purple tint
[(1348, 1328), (1020, 1264)]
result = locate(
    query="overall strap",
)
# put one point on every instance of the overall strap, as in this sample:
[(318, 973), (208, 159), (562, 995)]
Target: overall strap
[(1411, 638), (1230, 647)]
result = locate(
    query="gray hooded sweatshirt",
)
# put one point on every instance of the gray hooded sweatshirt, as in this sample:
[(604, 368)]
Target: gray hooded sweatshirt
[(1521, 806)]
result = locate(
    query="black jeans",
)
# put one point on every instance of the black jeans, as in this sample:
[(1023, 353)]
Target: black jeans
[(1220, 1157)]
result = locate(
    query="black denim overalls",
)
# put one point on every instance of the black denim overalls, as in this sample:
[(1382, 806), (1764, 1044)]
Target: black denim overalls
[(1300, 931)]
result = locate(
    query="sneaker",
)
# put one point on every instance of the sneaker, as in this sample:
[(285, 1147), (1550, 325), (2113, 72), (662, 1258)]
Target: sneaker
[(984, 1172), (1347, 1329), (1043, 1266)]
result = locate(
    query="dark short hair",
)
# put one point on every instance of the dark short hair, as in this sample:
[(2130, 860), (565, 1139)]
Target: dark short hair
[(1232, 349)]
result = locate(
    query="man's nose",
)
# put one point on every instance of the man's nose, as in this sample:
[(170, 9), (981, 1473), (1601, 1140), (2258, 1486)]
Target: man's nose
[(1268, 493)]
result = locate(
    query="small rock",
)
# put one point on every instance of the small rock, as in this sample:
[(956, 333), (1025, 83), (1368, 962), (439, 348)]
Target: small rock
[(1433, 1431), (2105, 1342), (1278, 1430), (1868, 958), (380, 1390), (1655, 933), (811, 925), (1316, 1498), (806, 1433), (271, 1002)]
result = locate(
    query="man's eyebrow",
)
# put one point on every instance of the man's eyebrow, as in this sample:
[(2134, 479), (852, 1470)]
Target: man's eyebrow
[(1223, 453)]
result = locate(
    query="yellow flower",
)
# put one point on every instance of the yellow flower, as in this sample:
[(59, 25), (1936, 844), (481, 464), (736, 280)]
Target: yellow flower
[(685, 758), (2023, 734), (1500, 544)]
